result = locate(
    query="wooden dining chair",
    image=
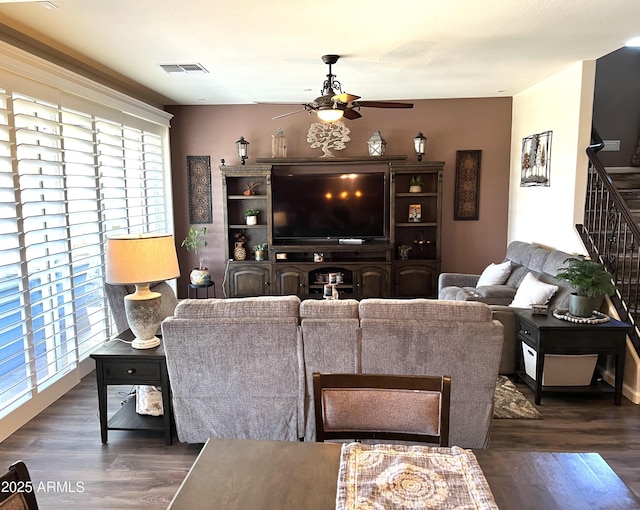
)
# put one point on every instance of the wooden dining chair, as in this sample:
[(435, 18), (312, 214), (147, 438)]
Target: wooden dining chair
[(387, 407), (17, 492)]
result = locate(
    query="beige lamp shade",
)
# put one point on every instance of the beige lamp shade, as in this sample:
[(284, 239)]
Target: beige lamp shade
[(141, 258)]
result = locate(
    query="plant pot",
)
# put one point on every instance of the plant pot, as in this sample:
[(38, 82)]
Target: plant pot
[(252, 220), (259, 254), (200, 276), (415, 189), (582, 306)]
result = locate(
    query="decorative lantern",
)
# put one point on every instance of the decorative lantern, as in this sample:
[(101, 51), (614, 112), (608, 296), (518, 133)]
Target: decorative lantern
[(242, 148), (376, 144), (279, 144), (420, 145)]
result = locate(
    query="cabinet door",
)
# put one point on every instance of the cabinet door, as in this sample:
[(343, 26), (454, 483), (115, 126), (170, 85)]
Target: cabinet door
[(249, 280), (372, 282), (290, 280), (415, 280)]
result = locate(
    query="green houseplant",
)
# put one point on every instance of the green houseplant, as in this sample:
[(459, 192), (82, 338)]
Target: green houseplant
[(194, 241), (258, 251), (415, 184), (251, 216), (591, 282)]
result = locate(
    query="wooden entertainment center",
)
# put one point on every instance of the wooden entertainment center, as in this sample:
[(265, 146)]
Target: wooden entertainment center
[(369, 267)]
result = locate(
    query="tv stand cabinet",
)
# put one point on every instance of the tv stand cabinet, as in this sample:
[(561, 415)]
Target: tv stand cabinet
[(371, 269)]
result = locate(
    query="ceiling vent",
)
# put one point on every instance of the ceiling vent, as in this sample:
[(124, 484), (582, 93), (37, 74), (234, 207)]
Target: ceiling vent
[(183, 68)]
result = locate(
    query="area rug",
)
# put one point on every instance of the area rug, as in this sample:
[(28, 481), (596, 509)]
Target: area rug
[(509, 403)]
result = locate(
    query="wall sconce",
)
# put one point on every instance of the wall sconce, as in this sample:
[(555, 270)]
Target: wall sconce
[(242, 148), (420, 145), (376, 144)]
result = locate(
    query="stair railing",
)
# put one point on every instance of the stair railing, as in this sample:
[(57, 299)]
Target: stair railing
[(612, 236)]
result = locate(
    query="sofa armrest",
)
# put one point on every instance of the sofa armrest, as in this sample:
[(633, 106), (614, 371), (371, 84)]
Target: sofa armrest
[(457, 280)]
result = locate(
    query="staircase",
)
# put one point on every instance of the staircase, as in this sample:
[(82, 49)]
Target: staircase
[(627, 182), (611, 233)]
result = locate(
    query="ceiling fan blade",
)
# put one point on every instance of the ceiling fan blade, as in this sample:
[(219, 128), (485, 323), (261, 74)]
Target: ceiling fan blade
[(351, 114), (344, 97), (287, 114), (381, 104)]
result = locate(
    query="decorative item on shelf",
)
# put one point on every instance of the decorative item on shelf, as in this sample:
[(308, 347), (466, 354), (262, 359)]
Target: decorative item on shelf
[(279, 144), (239, 251), (421, 243), (250, 187), (251, 216), (415, 184), (318, 257), (591, 281), (242, 149), (420, 145), (403, 251), (140, 260), (329, 291), (328, 136), (377, 144), (194, 242), (415, 213), (258, 251)]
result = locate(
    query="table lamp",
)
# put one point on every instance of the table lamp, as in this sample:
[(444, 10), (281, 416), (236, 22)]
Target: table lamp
[(141, 260)]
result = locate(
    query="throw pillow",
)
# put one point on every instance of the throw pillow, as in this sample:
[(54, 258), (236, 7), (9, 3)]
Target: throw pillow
[(495, 274), (533, 292)]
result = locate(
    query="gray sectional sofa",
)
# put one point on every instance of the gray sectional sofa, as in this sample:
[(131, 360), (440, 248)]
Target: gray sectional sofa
[(525, 258), (242, 368)]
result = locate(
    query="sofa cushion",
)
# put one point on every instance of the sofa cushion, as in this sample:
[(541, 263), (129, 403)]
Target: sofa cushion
[(533, 292), (329, 309), (495, 274), (424, 309), (263, 306)]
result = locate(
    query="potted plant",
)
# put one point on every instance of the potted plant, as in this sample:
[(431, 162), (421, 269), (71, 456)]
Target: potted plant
[(403, 251), (258, 251), (194, 242), (415, 184), (251, 216), (591, 281)]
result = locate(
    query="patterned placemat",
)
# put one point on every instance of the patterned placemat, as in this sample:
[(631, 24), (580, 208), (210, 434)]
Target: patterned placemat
[(410, 477)]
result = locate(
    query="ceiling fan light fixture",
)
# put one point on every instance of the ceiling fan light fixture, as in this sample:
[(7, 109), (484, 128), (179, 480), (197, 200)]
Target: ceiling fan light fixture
[(329, 114)]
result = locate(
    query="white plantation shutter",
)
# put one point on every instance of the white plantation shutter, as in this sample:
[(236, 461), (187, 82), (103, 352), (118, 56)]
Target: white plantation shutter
[(71, 172)]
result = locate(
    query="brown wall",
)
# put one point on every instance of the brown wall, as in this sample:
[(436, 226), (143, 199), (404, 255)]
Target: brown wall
[(450, 125)]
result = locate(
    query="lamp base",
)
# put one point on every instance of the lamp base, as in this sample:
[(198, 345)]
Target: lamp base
[(143, 310), (149, 343)]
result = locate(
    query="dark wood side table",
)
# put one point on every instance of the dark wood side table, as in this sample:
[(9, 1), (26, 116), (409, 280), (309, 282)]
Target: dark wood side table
[(549, 335), (117, 363)]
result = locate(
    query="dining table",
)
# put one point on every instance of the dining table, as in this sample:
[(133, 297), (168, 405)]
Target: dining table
[(242, 474)]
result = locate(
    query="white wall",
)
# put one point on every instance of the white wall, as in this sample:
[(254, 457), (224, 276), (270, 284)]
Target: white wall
[(562, 104)]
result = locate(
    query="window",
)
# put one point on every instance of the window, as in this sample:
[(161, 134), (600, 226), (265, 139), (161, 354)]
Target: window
[(71, 172)]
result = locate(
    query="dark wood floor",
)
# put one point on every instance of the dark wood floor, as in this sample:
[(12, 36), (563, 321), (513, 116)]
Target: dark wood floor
[(71, 469)]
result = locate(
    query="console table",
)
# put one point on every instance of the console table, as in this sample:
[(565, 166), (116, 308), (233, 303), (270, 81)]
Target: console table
[(548, 335), (117, 363)]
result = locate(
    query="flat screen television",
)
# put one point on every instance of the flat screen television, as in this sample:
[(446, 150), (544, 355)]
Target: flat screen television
[(324, 207)]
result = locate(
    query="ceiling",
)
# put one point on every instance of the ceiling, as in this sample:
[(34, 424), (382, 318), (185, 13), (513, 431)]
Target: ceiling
[(271, 51)]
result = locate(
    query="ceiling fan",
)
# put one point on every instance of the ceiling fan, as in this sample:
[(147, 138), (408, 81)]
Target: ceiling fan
[(333, 103)]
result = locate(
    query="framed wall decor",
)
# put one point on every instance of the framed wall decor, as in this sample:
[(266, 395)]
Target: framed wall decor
[(199, 176), (467, 190), (536, 160)]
